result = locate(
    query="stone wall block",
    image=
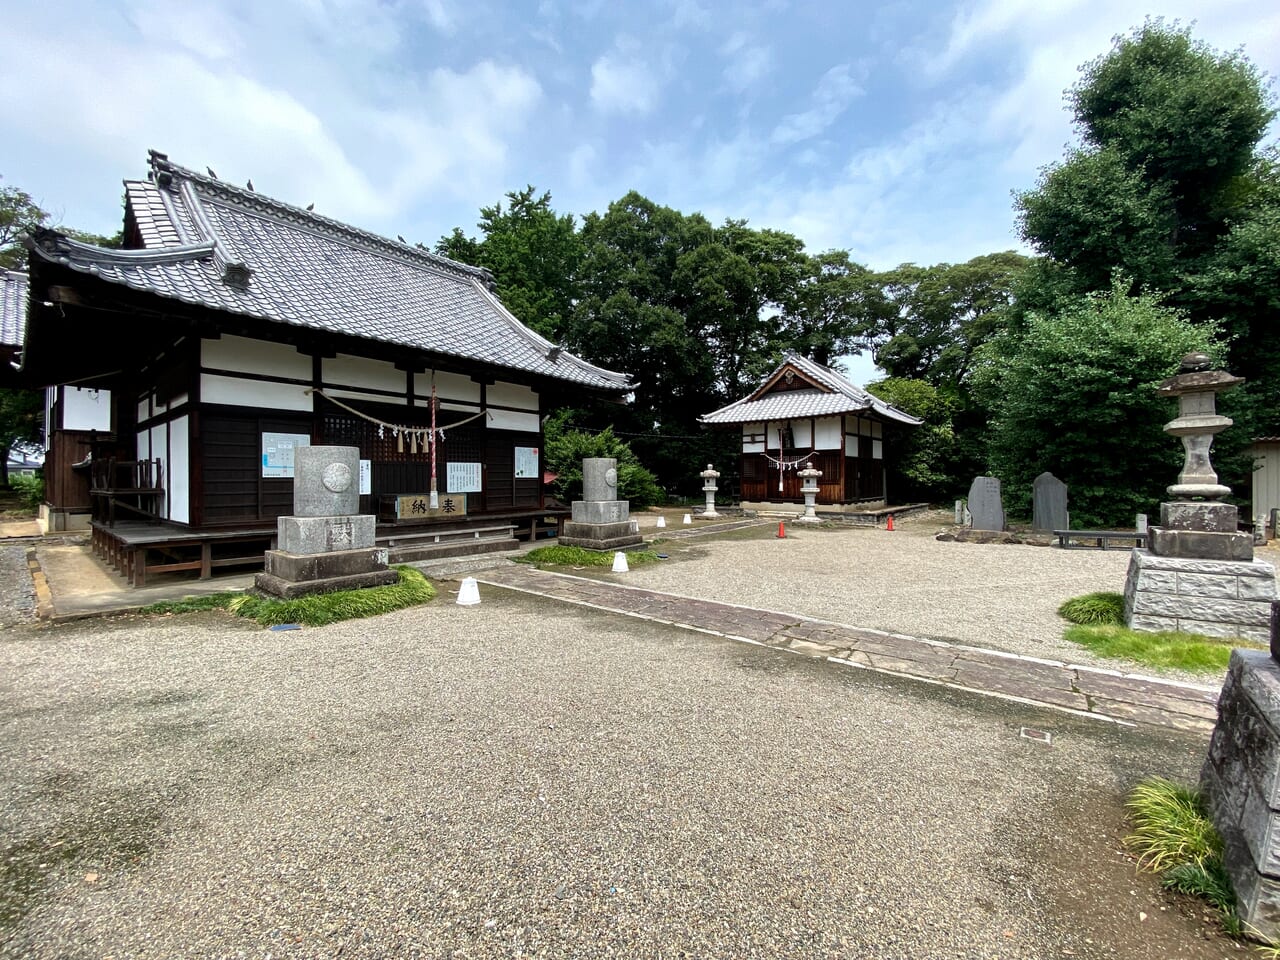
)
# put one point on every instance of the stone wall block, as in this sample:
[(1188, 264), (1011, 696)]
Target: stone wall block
[(1207, 585), (1160, 581), (1260, 827), (1257, 588), (1202, 608), (1227, 631), (1152, 624), (1148, 561)]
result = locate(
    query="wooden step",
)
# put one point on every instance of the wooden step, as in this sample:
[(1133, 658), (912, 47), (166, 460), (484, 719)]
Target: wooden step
[(463, 534), (413, 553)]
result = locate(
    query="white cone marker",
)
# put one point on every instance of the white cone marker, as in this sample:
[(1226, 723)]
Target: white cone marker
[(469, 592), (620, 563), (688, 519), (662, 521)]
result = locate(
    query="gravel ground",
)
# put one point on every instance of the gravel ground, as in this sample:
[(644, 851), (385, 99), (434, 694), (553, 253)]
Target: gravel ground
[(521, 779), (17, 595), (1001, 596)]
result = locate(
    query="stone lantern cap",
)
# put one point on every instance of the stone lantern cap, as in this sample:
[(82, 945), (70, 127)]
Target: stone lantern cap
[(709, 473), (1194, 376), (808, 471)]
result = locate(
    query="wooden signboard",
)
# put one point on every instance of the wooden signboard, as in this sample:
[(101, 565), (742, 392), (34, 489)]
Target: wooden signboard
[(417, 506)]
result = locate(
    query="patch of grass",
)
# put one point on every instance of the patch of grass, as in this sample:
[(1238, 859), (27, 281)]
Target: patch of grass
[(1184, 651), (1170, 826), (317, 609), (559, 556), (1173, 836), (213, 601), (1094, 608)]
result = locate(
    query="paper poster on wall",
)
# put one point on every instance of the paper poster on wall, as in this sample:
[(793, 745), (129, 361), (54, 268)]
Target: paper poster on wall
[(277, 453), (462, 478), (527, 463), (366, 477)]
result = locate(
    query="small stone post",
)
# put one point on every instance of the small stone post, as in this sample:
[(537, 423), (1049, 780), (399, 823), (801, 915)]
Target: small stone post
[(809, 487), (709, 488)]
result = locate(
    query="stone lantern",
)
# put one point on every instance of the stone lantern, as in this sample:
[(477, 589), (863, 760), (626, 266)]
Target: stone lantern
[(1198, 574), (709, 477), (809, 487)]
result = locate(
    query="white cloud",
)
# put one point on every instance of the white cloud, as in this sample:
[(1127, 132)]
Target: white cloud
[(747, 62), (441, 14), (832, 96), (625, 81)]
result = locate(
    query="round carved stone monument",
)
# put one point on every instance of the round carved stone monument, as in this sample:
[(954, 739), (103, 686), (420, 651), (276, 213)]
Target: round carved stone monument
[(324, 481)]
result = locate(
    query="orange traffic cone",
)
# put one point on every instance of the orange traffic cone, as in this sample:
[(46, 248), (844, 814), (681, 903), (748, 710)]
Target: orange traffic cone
[(782, 530), (889, 524)]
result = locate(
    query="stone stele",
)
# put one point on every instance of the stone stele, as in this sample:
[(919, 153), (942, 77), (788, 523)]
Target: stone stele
[(1049, 503), (985, 505), (600, 521), (326, 544)]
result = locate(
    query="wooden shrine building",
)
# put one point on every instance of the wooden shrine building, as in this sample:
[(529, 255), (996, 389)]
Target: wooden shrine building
[(184, 369), (805, 413)]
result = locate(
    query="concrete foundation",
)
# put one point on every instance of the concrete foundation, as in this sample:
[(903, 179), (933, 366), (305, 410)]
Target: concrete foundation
[(601, 536), (1216, 598), (1240, 781), (291, 575), (326, 534)]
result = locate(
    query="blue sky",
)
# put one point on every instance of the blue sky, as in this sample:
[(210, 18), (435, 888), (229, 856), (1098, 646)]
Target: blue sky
[(893, 130)]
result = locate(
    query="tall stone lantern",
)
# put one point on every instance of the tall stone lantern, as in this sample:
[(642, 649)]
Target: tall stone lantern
[(709, 477), (809, 487), (1198, 574)]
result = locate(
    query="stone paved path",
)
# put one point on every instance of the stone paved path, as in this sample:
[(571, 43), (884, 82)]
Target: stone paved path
[(1103, 694)]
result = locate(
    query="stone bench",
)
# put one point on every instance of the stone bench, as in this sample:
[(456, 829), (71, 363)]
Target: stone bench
[(1101, 538)]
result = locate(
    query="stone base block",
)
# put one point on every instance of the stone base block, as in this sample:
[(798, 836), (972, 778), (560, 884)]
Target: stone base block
[(600, 536), (1193, 515), (600, 511), (1199, 544), (326, 534), (320, 566), (288, 589), (1216, 598), (1241, 785)]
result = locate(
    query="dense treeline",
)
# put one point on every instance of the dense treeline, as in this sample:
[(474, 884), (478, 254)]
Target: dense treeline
[(1158, 234)]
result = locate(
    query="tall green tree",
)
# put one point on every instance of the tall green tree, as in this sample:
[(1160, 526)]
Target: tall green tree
[(826, 314), (1171, 189), (1075, 394), (534, 254), (18, 214)]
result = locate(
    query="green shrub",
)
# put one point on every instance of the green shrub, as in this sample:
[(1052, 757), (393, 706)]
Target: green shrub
[(566, 449), (29, 487), (1094, 608), (317, 609)]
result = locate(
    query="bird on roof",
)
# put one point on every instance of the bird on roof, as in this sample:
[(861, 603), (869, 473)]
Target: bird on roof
[(311, 206), (249, 184), (211, 173), (401, 239)]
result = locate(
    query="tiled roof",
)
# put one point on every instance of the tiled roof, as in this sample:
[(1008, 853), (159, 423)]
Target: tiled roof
[(219, 246), (13, 308), (834, 395)]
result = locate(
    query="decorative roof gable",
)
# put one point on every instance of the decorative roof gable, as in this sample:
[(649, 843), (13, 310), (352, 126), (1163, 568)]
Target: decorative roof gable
[(211, 244), (799, 387)]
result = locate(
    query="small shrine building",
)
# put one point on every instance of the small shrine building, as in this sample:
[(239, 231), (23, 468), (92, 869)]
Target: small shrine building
[(805, 413)]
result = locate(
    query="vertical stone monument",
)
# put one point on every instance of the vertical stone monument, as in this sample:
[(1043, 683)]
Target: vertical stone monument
[(1197, 573), (326, 543), (985, 505), (809, 487), (600, 521), (1049, 504), (709, 477)]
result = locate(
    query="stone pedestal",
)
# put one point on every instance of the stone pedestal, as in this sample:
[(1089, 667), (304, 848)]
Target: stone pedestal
[(1240, 781), (1217, 598), (709, 477), (325, 544), (600, 521), (809, 488)]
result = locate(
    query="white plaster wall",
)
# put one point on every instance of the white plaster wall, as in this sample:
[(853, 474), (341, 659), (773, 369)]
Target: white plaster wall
[(512, 395), (354, 371), (86, 409), (255, 356), (877, 449), (215, 388), (829, 433), (451, 386), (178, 481), (510, 420), (754, 446)]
